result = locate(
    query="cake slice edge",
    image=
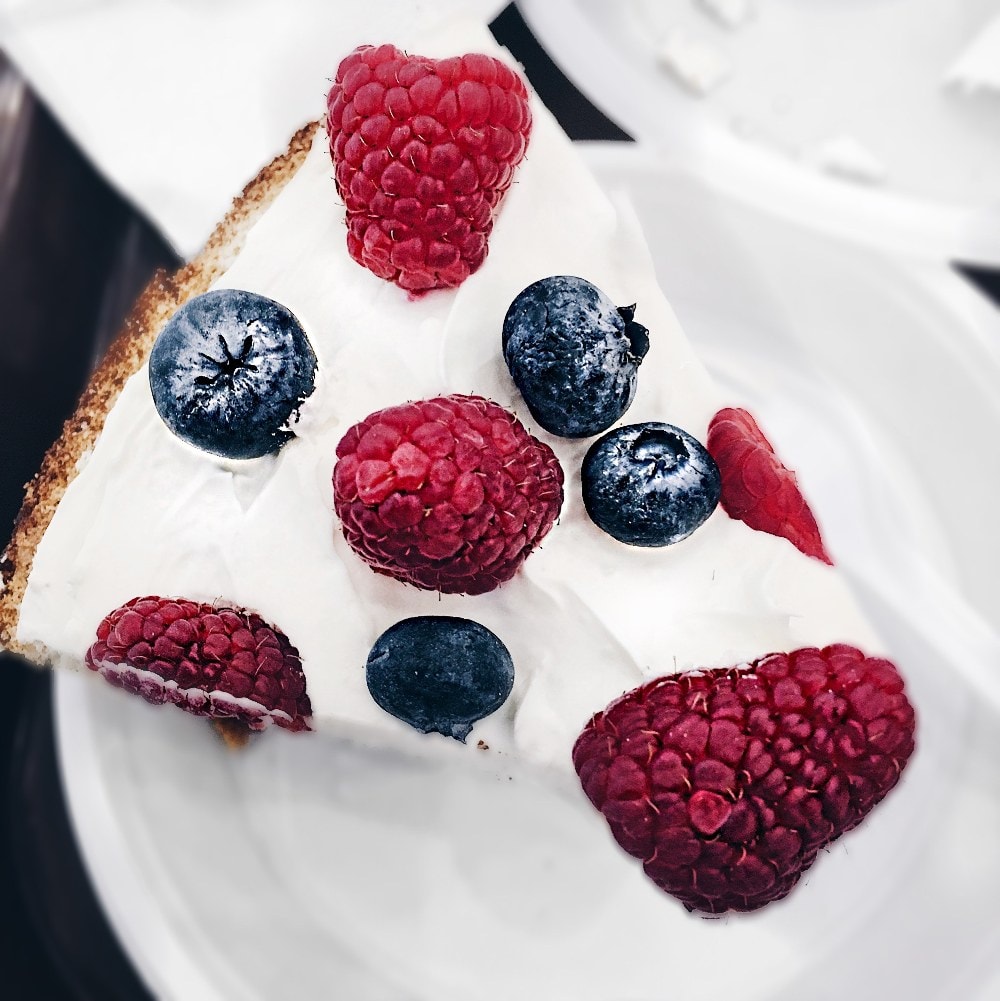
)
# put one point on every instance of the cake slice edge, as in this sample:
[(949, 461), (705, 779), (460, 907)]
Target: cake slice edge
[(162, 296)]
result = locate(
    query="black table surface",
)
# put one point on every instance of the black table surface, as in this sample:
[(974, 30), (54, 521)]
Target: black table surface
[(73, 257)]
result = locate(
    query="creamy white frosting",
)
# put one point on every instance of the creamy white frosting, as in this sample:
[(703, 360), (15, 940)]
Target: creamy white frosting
[(586, 618)]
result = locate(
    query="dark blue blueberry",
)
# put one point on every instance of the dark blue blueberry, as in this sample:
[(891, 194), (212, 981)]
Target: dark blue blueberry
[(649, 484), (439, 674), (229, 372), (573, 355)]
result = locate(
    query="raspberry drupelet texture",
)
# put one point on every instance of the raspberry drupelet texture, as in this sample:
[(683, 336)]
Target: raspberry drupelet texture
[(210, 660), (449, 494), (423, 151), (726, 783), (756, 488)]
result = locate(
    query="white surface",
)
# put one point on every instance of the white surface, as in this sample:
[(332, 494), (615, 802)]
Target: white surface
[(696, 64), (845, 156), (305, 868), (179, 102), (731, 13), (978, 67), (801, 74)]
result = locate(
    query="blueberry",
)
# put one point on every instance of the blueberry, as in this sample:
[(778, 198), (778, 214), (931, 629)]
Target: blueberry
[(439, 674), (649, 484), (229, 372), (573, 355)]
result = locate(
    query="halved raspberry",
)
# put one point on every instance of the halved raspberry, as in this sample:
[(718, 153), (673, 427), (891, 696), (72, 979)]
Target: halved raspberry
[(210, 660), (726, 783), (756, 488), (449, 494)]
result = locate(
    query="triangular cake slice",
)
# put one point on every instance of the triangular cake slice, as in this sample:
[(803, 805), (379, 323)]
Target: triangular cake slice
[(725, 782)]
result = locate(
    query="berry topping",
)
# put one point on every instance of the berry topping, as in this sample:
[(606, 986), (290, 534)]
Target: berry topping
[(726, 783), (424, 150), (229, 372), (450, 494), (573, 354), (649, 484), (756, 488), (226, 663), (439, 674)]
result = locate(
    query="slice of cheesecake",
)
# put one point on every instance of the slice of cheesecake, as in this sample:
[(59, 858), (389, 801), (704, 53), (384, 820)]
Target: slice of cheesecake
[(123, 508)]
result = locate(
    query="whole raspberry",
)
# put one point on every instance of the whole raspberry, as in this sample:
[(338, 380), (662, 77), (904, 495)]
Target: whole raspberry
[(756, 488), (226, 663), (449, 494), (424, 150), (726, 783)]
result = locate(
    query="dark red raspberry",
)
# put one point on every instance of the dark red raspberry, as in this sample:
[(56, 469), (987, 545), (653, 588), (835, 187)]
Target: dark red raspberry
[(450, 494), (726, 783), (756, 488), (226, 663), (424, 150)]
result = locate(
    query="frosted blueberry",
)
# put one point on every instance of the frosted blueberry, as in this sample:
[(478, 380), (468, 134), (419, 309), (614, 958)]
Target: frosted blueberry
[(649, 484), (573, 355), (229, 372), (440, 674)]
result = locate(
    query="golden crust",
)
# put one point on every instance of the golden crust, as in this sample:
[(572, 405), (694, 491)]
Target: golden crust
[(158, 302)]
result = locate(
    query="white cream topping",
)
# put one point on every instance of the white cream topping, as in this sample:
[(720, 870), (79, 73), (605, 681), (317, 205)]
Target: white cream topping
[(586, 618)]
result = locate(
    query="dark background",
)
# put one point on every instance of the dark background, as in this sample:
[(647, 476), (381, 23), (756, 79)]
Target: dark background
[(73, 258)]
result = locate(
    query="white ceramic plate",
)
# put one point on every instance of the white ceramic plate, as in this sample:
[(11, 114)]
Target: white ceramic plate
[(309, 868), (801, 75)]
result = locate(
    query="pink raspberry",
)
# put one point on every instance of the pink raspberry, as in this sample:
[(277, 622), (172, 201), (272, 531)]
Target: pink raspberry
[(449, 494), (211, 660), (756, 488), (726, 783), (423, 150)]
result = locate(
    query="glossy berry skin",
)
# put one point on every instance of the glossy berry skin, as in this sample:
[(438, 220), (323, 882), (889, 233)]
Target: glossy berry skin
[(229, 372), (210, 660), (423, 151), (449, 494), (756, 488), (573, 354), (727, 783), (439, 674), (649, 484)]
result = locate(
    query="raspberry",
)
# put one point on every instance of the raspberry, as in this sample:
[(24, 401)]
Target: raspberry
[(449, 494), (211, 660), (423, 151), (756, 488), (726, 783)]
